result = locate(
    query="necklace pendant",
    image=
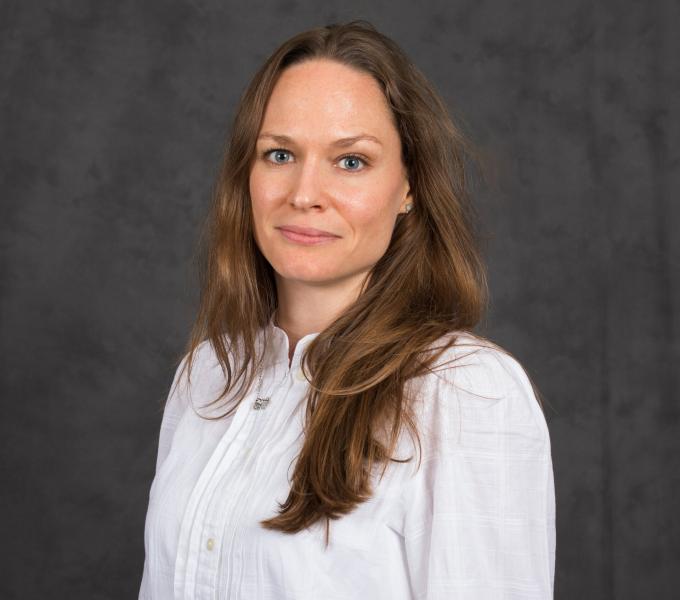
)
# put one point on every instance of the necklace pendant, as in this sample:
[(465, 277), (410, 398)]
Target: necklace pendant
[(260, 403)]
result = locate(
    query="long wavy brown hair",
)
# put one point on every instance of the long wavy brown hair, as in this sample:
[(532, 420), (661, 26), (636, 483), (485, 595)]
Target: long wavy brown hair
[(429, 284)]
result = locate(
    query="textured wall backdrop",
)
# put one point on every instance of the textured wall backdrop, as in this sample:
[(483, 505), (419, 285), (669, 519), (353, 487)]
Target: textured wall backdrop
[(113, 117)]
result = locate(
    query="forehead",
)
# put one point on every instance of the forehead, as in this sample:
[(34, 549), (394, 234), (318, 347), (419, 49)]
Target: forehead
[(327, 97)]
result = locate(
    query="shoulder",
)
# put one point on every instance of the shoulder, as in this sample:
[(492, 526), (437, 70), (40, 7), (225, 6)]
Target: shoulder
[(477, 389), (480, 367), (202, 355), (191, 375)]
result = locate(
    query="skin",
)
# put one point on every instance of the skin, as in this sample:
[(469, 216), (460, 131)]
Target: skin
[(311, 182)]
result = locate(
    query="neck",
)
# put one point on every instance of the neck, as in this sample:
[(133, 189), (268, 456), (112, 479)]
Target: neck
[(305, 308)]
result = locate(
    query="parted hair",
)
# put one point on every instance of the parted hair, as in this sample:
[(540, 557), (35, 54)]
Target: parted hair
[(429, 284)]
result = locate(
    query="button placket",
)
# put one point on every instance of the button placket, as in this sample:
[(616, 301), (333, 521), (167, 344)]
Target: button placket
[(207, 562), (200, 570)]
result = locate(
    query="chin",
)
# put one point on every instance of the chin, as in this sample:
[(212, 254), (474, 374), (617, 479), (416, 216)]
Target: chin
[(307, 276), (301, 270)]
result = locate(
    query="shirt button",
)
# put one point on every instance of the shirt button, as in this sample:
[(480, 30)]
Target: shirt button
[(210, 544), (299, 374)]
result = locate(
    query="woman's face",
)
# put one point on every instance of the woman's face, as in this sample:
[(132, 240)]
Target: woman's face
[(305, 176)]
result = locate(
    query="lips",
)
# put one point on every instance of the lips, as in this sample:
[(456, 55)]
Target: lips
[(308, 231), (307, 236)]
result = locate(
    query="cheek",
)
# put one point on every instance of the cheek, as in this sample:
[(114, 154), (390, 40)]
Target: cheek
[(372, 222), (258, 189), (262, 196)]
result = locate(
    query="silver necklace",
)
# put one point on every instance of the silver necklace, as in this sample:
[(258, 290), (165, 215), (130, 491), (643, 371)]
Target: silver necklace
[(260, 403)]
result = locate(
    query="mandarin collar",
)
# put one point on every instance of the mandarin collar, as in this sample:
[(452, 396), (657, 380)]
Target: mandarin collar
[(278, 344)]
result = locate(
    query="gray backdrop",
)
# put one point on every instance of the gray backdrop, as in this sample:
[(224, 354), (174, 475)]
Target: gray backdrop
[(113, 119)]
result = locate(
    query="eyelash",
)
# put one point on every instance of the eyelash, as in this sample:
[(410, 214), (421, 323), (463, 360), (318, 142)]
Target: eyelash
[(359, 156)]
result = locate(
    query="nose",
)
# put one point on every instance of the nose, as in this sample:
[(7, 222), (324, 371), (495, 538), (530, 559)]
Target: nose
[(307, 191)]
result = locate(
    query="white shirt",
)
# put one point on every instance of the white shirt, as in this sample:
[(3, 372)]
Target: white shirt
[(475, 522)]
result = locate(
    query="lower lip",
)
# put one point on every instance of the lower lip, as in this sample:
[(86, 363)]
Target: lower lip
[(307, 240)]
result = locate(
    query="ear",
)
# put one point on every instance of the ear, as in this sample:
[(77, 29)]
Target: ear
[(408, 200)]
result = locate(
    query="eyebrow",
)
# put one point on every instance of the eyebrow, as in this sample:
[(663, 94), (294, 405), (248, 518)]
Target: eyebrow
[(342, 142)]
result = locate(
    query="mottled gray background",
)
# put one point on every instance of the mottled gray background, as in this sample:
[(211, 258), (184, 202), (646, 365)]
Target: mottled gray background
[(113, 118)]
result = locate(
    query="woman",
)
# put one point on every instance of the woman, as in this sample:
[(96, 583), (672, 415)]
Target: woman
[(341, 432)]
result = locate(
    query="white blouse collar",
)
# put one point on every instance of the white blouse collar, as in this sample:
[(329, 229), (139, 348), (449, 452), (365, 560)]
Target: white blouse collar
[(279, 344)]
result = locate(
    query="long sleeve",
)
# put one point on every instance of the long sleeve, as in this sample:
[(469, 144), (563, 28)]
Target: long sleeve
[(172, 412), (174, 408), (480, 523)]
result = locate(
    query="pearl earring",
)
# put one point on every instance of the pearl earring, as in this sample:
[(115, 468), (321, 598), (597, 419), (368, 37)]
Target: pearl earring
[(408, 207)]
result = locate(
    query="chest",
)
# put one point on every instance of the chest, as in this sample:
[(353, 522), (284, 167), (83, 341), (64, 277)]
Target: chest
[(222, 477)]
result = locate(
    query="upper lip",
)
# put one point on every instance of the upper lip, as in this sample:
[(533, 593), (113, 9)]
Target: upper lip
[(307, 230)]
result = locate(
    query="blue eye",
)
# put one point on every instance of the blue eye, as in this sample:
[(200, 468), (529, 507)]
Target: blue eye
[(354, 158), (277, 152), (354, 161)]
